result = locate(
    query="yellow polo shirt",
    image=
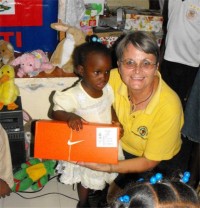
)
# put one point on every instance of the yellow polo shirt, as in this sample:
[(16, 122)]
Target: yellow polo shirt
[(154, 132)]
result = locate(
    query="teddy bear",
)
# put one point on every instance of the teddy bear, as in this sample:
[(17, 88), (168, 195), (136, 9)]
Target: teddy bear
[(62, 56), (32, 63), (6, 52)]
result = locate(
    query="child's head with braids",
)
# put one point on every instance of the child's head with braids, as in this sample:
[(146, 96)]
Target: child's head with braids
[(92, 62), (92, 46), (163, 194)]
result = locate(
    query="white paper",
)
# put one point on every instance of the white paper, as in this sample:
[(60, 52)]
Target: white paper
[(106, 137)]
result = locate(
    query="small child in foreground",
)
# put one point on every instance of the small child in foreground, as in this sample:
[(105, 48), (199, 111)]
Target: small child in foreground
[(158, 193)]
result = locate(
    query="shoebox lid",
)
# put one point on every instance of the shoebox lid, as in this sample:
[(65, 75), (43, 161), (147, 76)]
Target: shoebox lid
[(94, 143)]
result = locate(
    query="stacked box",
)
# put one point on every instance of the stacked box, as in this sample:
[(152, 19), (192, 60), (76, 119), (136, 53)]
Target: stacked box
[(145, 20)]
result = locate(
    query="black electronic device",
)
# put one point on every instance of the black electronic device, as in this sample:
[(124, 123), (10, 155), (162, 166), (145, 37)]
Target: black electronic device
[(12, 122)]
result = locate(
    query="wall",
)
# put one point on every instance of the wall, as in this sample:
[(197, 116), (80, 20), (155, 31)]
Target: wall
[(35, 93)]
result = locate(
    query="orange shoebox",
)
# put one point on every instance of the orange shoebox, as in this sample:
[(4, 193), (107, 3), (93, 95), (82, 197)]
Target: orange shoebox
[(94, 143)]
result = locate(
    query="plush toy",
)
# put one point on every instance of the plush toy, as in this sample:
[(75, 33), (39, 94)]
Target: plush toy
[(32, 63), (62, 56), (33, 174), (8, 89), (6, 52)]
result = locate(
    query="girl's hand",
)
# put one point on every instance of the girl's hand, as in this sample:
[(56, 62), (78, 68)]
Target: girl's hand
[(75, 122), (4, 189), (121, 130)]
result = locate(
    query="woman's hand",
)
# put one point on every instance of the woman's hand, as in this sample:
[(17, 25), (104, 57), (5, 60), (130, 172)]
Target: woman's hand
[(96, 166), (121, 130)]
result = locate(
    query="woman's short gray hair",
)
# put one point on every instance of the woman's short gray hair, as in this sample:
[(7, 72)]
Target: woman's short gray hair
[(143, 41)]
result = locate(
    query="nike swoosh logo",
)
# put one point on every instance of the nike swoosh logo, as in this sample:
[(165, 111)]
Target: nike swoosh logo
[(72, 143)]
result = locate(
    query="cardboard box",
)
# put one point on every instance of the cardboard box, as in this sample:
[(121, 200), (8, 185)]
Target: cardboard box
[(144, 21), (94, 143)]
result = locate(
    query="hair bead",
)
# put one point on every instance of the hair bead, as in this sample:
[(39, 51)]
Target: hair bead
[(185, 177), (124, 199), (156, 178), (93, 39)]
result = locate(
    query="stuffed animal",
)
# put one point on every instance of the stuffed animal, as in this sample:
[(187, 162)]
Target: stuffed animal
[(6, 52), (33, 174), (62, 56), (8, 89), (32, 63)]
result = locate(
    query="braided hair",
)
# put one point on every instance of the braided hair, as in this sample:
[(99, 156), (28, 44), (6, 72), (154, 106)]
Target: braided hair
[(163, 194), (81, 52), (92, 45)]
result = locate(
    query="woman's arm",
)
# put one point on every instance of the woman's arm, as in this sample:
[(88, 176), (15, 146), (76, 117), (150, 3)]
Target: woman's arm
[(135, 165)]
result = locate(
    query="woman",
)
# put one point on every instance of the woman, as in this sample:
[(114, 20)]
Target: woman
[(149, 111)]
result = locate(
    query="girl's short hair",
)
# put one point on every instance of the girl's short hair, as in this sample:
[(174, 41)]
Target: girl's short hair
[(163, 194), (143, 41)]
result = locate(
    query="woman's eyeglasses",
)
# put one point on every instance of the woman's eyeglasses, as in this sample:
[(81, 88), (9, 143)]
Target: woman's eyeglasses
[(144, 65)]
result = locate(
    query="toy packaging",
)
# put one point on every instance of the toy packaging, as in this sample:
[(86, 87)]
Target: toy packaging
[(92, 12), (94, 143)]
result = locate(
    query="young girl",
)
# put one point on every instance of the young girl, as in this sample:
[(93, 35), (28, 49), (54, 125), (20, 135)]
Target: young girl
[(88, 100), (161, 194)]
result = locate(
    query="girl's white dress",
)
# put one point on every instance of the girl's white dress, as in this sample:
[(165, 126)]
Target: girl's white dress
[(96, 110)]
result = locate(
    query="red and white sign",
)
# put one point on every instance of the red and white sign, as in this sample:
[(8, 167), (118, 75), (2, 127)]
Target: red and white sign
[(21, 13)]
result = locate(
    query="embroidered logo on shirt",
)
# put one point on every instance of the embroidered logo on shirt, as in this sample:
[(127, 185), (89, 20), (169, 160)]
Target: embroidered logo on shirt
[(192, 12), (143, 131)]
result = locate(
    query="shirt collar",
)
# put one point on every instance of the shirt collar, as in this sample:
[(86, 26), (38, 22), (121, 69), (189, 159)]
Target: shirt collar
[(154, 100)]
